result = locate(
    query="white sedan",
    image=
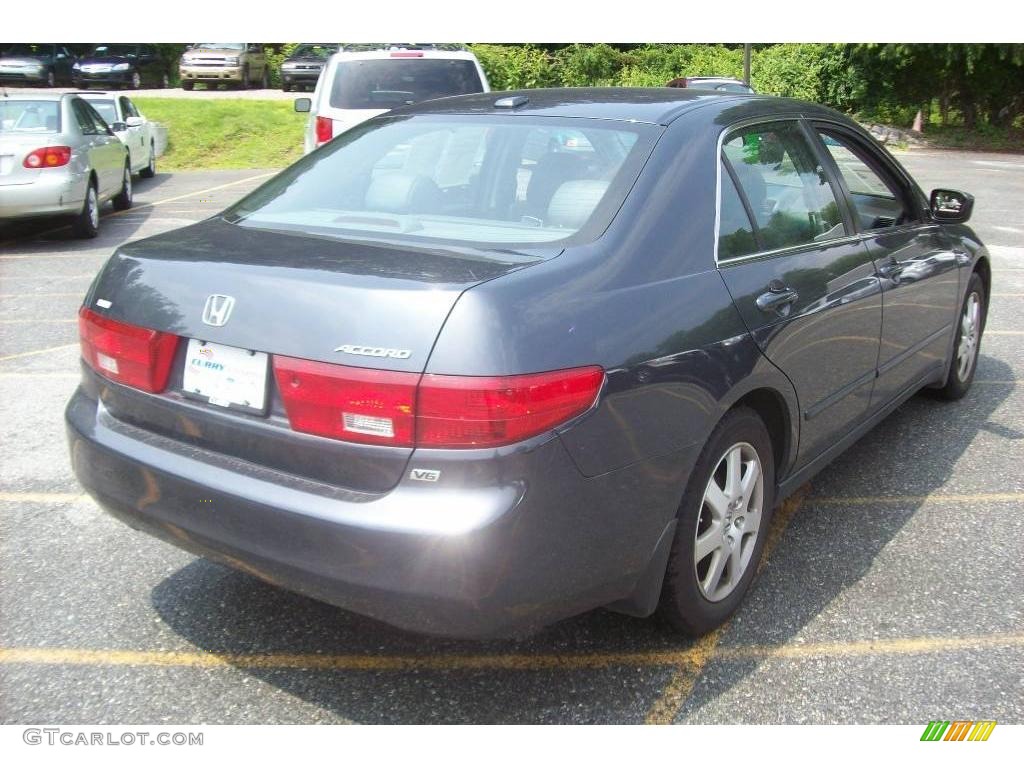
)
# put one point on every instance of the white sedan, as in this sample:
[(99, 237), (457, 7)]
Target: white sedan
[(130, 126)]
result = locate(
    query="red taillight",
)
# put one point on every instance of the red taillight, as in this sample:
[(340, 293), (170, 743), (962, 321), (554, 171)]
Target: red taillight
[(361, 405), (485, 411), (364, 405), (324, 129), (48, 157), (126, 353)]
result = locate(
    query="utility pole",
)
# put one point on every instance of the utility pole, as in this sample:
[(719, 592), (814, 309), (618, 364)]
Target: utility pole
[(746, 63)]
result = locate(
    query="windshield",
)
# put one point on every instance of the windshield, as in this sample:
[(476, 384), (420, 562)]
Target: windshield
[(473, 180), (115, 50), (314, 51), (225, 46), (394, 82), (106, 108), (29, 49), (24, 116)]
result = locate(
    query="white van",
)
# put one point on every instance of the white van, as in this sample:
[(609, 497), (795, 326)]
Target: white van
[(363, 81)]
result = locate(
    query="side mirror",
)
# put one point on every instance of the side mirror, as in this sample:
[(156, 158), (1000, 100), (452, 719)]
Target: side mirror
[(951, 206), (133, 122), (303, 104), (118, 127)]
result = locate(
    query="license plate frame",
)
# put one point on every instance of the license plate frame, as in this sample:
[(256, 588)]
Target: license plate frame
[(240, 383)]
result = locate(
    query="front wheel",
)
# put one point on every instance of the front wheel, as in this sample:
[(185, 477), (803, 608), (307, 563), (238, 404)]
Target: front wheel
[(136, 81), (722, 525), (188, 85), (970, 326)]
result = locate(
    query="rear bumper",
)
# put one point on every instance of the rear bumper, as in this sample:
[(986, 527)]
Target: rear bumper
[(54, 192), (516, 542)]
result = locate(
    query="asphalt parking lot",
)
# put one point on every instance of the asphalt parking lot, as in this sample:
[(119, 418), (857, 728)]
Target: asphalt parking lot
[(891, 592)]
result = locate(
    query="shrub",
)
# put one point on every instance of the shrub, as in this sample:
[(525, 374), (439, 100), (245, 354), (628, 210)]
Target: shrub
[(510, 67)]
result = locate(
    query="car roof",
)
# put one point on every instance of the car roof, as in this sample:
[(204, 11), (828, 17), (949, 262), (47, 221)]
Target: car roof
[(657, 106), (41, 96)]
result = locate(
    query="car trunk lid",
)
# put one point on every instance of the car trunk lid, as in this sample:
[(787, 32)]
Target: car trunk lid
[(373, 306)]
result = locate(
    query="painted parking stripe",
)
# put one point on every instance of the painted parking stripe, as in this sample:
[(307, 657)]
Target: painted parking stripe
[(138, 207), (38, 352), (526, 662)]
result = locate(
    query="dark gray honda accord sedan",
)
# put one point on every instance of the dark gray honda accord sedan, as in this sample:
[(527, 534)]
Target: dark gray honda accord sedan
[(490, 361)]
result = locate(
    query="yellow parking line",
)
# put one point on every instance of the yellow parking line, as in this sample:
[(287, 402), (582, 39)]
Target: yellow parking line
[(525, 662), (680, 686), (39, 321), (940, 498), (40, 498), (37, 352), (77, 294)]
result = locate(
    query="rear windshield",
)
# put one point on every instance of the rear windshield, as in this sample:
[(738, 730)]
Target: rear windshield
[(24, 116), (106, 108), (482, 181), (395, 82)]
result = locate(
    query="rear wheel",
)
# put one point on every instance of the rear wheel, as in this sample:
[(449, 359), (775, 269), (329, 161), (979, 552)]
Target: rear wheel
[(150, 170), (970, 326), (87, 223), (723, 522), (123, 201)]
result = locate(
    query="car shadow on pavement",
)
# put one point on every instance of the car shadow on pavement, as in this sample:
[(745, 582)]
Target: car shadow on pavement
[(827, 550)]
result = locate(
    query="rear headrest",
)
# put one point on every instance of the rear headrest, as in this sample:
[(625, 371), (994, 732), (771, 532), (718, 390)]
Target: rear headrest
[(574, 201), (402, 193)]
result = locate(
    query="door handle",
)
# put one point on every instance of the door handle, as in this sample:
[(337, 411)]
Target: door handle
[(778, 298), (891, 270)]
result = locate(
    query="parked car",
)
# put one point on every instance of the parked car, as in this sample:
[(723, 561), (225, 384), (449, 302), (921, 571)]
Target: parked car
[(46, 64), (131, 127), (431, 379), (362, 81), (127, 64), (724, 84), (58, 157), (238, 64), (302, 68)]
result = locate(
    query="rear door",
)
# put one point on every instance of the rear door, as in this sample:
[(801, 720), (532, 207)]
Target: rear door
[(106, 152), (135, 135), (914, 258), (803, 283)]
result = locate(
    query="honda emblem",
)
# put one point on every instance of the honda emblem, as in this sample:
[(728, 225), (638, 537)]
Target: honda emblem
[(218, 309)]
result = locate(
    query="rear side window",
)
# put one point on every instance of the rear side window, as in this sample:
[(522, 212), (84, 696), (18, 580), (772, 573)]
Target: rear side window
[(25, 116), (395, 82), (735, 230), (785, 188)]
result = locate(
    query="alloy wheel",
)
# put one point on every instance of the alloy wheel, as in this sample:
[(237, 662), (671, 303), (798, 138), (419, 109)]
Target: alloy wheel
[(94, 208), (970, 330), (729, 521)]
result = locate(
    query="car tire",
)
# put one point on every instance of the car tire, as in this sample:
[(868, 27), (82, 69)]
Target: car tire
[(187, 85), (967, 344), (165, 81), (150, 170), (286, 87), (136, 81), (714, 555), (87, 223), (123, 200), (51, 79)]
